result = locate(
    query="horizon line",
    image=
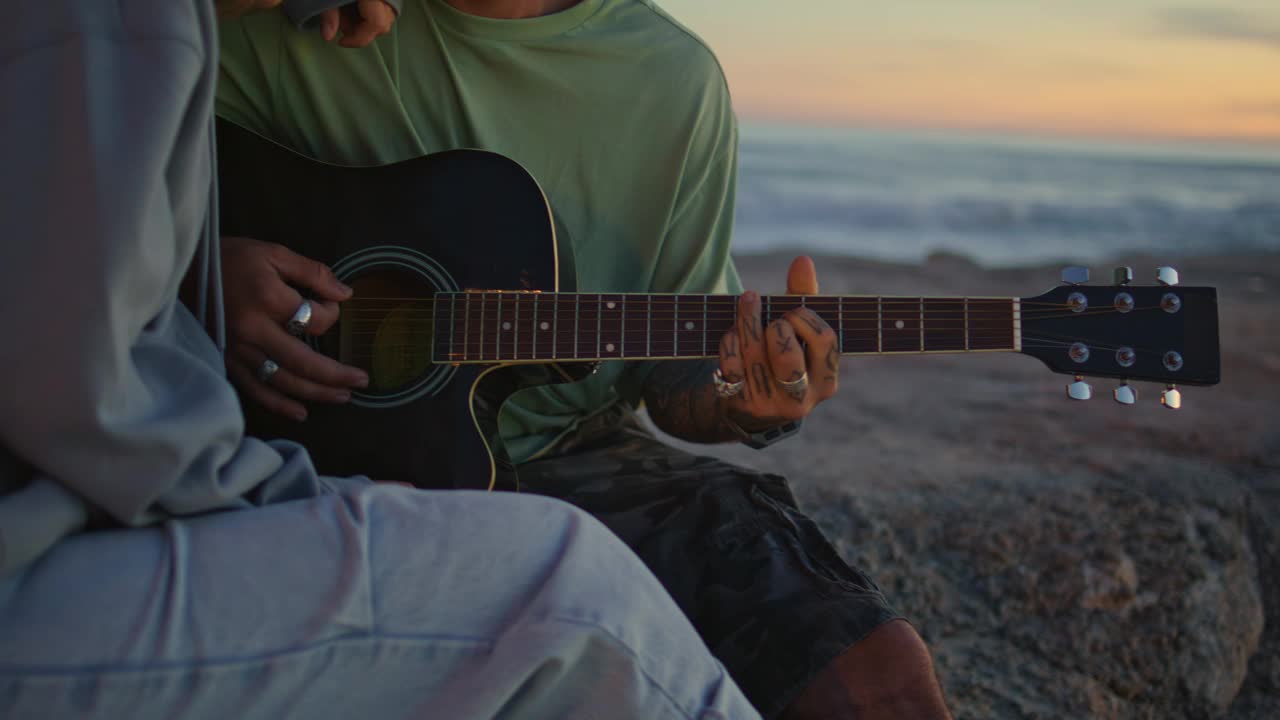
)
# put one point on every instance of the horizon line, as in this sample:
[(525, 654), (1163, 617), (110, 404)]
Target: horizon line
[(1269, 141)]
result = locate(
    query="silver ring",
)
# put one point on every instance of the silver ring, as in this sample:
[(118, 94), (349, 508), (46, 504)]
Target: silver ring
[(266, 370), (724, 388), (796, 388), (297, 325)]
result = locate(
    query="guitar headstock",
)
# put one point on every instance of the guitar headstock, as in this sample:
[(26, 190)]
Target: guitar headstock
[(1165, 333)]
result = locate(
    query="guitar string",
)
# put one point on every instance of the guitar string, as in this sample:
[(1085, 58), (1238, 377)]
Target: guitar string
[(695, 299)]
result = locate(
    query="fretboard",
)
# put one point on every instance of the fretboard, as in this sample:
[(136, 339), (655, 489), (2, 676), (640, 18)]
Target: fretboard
[(480, 326)]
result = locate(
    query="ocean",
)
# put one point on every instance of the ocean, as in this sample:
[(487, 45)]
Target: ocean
[(1000, 200)]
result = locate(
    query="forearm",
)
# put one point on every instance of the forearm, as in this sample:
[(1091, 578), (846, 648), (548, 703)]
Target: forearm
[(682, 402)]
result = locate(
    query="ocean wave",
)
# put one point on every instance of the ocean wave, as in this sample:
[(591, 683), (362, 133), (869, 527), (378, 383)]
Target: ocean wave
[(901, 200)]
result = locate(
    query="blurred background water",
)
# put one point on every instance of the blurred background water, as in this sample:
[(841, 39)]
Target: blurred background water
[(1000, 200)]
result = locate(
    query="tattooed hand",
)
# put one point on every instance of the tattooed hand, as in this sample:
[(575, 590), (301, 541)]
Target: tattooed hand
[(777, 358), (683, 402)]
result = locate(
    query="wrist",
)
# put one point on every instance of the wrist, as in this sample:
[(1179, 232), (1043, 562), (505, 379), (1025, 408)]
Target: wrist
[(760, 433), (761, 439)]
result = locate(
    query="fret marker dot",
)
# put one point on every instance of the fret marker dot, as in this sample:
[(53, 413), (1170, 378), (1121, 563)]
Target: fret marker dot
[(544, 325), (899, 324), (688, 325), (609, 347), (506, 326), (611, 305)]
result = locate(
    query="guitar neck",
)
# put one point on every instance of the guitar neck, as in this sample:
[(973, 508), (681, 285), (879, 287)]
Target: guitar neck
[(521, 326)]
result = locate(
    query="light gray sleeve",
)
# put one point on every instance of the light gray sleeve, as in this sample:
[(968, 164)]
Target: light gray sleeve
[(108, 386), (304, 13)]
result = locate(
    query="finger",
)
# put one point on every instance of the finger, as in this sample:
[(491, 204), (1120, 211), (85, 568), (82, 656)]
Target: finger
[(802, 277), (786, 359), (361, 36), (289, 384), (310, 274), (379, 12), (324, 314), (821, 349), (329, 24), (754, 361), (731, 357), (246, 380), (297, 357), (377, 18)]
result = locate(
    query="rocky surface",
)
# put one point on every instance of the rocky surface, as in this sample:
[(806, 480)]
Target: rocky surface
[(1062, 559)]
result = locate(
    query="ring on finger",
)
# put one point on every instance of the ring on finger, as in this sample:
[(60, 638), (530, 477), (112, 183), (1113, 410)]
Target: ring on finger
[(267, 370), (724, 388), (796, 388), (297, 325)]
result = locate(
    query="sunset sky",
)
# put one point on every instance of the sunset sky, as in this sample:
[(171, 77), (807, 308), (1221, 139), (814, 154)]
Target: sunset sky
[(1107, 67)]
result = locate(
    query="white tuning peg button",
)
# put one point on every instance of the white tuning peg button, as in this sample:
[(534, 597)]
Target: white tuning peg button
[(1167, 276), (1125, 394), (1171, 398), (1079, 390), (1075, 275)]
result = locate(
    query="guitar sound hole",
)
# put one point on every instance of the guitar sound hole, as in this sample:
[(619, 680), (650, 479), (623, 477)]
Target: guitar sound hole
[(385, 329)]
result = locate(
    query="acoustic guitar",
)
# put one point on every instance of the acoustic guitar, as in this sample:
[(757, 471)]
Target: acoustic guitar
[(460, 301)]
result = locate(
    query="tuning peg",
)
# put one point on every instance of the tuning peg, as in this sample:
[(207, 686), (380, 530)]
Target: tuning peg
[(1079, 390), (1123, 275), (1171, 398), (1167, 276), (1125, 394), (1075, 275)]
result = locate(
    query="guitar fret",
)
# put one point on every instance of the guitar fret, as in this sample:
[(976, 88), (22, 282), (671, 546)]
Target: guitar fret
[(515, 332), (599, 321), (880, 324), (484, 301), (534, 352), (555, 325), (577, 304), (648, 328), (453, 316), (497, 342), (675, 326), (840, 322), (622, 328), (966, 324), (921, 324), (706, 300)]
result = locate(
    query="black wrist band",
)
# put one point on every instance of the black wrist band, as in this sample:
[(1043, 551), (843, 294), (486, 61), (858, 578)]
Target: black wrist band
[(768, 436)]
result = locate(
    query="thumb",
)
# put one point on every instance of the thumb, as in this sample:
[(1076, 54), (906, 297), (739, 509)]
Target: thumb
[(310, 274), (802, 277)]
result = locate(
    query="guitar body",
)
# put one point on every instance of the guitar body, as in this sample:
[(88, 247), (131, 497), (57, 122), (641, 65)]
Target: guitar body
[(398, 234)]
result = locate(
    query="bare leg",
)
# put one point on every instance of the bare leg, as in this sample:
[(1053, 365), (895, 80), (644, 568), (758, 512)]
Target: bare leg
[(888, 674)]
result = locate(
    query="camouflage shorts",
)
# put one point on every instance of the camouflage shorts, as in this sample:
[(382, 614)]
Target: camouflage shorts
[(764, 588)]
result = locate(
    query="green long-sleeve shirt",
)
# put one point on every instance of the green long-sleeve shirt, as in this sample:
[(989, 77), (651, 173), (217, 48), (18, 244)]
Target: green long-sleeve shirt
[(619, 112)]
